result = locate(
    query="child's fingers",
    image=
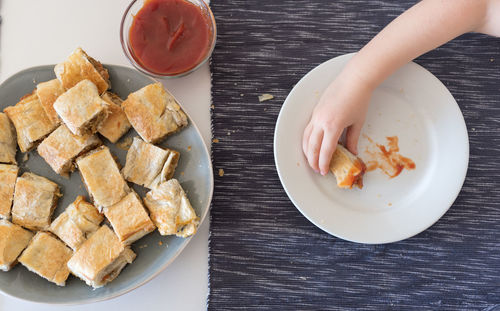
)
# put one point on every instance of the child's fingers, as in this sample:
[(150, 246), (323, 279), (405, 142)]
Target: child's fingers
[(352, 137), (314, 147), (305, 138), (330, 140)]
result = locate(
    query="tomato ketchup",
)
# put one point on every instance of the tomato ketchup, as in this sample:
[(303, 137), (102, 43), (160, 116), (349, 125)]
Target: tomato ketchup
[(169, 37)]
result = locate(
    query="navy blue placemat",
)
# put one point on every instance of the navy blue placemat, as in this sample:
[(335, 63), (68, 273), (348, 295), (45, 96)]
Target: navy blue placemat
[(264, 255)]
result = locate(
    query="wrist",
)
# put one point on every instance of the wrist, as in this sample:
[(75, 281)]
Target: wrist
[(358, 72), (356, 76)]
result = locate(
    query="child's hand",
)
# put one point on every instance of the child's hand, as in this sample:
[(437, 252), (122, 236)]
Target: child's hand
[(343, 105)]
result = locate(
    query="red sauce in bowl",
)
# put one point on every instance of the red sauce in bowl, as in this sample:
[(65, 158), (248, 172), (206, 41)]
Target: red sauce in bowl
[(170, 37)]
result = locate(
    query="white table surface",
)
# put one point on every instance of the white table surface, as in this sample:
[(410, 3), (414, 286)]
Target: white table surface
[(45, 32)]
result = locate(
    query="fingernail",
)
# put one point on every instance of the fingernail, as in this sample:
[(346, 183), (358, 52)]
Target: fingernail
[(323, 173), (317, 171)]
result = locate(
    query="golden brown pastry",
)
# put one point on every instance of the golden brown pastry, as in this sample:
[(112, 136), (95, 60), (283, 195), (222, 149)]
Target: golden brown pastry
[(79, 66), (81, 108), (84, 214), (47, 93), (61, 147), (47, 257), (8, 145), (347, 168), (76, 223), (101, 258), (13, 239), (171, 210), (8, 176), (154, 113), (30, 120), (116, 124), (129, 219), (35, 198), (148, 165), (102, 177)]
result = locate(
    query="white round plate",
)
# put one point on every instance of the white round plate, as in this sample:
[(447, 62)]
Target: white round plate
[(413, 105)]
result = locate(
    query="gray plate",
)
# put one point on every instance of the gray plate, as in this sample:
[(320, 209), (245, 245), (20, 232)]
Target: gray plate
[(197, 180)]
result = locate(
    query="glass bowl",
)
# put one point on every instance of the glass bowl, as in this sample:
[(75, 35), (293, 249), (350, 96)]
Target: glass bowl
[(126, 23)]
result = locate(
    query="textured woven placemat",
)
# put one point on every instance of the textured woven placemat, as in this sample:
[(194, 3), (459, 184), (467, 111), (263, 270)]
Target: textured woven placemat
[(264, 254)]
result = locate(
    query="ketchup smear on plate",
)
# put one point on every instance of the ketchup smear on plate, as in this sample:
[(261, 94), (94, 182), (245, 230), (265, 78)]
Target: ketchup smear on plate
[(388, 158), (170, 37)]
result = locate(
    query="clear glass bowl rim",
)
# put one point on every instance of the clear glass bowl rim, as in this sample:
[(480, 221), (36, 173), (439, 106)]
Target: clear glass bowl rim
[(125, 46)]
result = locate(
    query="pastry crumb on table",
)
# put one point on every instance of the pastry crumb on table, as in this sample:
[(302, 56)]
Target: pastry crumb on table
[(265, 97)]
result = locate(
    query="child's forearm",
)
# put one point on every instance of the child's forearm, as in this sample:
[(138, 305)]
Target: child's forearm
[(344, 103), (425, 26)]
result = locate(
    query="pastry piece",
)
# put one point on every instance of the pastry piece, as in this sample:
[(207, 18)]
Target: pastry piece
[(13, 239), (35, 199), (47, 257), (8, 176), (81, 108), (76, 223), (8, 146), (154, 113), (30, 120), (79, 66), (84, 215), (102, 177), (116, 124), (347, 168), (170, 210), (101, 258), (47, 93), (148, 165), (129, 219), (62, 147)]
